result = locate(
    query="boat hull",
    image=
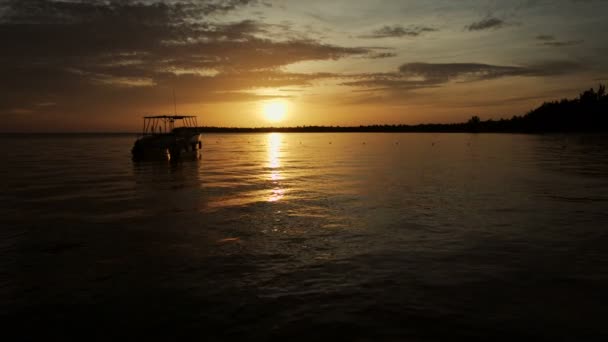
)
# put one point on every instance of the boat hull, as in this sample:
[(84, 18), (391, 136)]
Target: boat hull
[(167, 146)]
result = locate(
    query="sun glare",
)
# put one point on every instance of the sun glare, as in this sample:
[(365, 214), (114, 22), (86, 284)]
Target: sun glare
[(275, 111)]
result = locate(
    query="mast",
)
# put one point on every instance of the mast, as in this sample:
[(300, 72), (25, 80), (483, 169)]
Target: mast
[(174, 103)]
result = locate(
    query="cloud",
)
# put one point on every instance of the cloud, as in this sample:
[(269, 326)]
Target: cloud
[(478, 71), (445, 72), (427, 75), (52, 50), (44, 11), (378, 55), (398, 31), (486, 24), (562, 43), (549, 40), (589, 1), (545, 37)]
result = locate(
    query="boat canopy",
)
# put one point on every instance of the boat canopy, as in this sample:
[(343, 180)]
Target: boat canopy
[(162, 124)]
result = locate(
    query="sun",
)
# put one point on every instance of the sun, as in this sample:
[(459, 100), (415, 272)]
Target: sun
[(275, 111)]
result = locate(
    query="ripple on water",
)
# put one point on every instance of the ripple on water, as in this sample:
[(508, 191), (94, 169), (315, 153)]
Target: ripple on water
[(287, 236)]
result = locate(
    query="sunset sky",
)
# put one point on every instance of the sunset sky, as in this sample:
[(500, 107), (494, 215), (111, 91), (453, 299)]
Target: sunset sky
[(102, 65)]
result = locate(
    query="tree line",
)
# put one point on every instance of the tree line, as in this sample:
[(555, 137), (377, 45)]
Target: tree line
[(586, 113)]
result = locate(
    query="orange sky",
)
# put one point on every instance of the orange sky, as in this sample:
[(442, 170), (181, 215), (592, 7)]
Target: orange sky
[(101, 66)]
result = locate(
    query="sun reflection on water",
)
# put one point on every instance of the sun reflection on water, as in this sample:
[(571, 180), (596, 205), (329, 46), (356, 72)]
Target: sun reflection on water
[(274, 164)]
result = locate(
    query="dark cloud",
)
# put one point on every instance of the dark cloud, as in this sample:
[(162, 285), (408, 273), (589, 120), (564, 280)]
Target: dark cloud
[(562, 43), (545, 37), (378, 55), (427, 75), (48, 11), (549, 40), (52, 50), (477, 71), (588, 1), (445, 72), (486, 24), (398, 31)]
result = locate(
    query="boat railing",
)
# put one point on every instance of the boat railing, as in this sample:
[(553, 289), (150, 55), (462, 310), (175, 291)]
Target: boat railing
[(166, 124)]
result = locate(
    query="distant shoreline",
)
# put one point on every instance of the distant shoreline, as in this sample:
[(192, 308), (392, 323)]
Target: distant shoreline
[(588, 113), (368, 129), (224, 130)]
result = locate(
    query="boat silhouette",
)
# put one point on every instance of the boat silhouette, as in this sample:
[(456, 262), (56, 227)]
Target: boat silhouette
[(169, 137)]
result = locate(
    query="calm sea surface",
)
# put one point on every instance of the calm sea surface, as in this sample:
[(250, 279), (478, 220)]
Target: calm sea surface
[(305, 237)]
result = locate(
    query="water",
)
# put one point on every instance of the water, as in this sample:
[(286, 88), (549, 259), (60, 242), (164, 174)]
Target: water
[(306, 237)]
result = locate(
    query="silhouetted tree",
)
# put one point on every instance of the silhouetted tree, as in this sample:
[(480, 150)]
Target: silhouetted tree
[(586, 113), (473, 125)]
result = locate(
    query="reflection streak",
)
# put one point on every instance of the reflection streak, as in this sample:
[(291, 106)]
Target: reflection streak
[(274, 164)]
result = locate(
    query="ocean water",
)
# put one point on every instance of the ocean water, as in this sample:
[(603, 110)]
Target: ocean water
[(354, 237)]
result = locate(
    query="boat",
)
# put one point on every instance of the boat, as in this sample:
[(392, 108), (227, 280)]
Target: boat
[(171, 137)]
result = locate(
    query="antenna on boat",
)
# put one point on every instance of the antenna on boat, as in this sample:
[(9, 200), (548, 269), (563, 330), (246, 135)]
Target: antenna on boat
[(174, 103)]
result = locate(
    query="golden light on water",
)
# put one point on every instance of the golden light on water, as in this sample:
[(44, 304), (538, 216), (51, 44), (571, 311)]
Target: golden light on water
[(274, 163), (275, 111), (274, 149)]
